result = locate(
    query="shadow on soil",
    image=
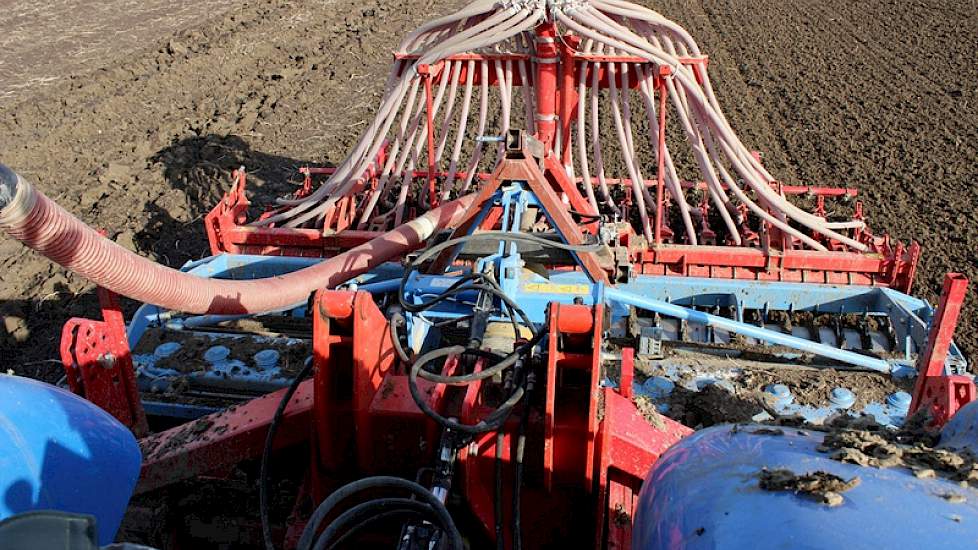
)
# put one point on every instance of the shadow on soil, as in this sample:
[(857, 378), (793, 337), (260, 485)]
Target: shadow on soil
[(200, 168), (198, 171)]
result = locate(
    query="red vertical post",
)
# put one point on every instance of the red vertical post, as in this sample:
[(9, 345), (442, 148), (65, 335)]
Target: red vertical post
[(568, 94), (426, 71), (115, 323), (786, 239), (627, 372), (661, 176), (547, 55), (930, 364)]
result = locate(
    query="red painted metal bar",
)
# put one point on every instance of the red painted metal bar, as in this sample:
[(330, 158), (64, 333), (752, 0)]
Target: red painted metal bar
[(519, 165), (594, 395), (546, 84), (931, 362), (894, 268), (468, 57), (661, 176), (578, 56), (602, 58), (936, 391), (627, 447), (727, 256), (223, 439), (814, 190), (125, 379), (627, 372), (568, 95), (549, 420), (557, 175), (426, 74)]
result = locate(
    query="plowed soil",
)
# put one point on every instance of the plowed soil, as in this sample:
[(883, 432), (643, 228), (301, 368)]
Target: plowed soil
[(135, 123)]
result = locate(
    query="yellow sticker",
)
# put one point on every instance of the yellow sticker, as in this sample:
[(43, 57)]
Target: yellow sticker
[(549, 288)]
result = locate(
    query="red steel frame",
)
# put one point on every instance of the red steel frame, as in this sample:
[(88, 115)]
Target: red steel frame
[(357, 414), (942, 395), (360, 420), (360, 400), (772, 256)]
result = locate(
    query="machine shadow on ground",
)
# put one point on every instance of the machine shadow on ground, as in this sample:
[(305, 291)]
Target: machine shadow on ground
[(199, 168)]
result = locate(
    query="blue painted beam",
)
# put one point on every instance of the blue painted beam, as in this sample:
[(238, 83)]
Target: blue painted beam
[(722, 323)]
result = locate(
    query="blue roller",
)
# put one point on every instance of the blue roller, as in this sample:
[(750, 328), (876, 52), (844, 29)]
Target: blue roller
[(703, 493), (60, 452)]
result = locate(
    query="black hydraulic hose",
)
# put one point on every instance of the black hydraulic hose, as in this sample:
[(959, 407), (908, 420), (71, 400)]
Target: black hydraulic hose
[(582, 215), (355, 517), (396, 320), (380, 482), (449, 322), (518, 470), (487, 285), (488, 424), (497, 494), (497, 417), (379, 518), (496, 236), (266, 456), (512, 306), (457, 287), (458, 380)]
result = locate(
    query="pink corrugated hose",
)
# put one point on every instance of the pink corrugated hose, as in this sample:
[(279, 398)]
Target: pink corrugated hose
[(41, 224)]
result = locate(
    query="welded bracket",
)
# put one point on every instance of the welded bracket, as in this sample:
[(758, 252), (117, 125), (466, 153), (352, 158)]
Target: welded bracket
[(522, 164), (98, 364)]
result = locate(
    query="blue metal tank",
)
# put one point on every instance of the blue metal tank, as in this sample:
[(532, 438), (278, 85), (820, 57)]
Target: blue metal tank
[(961, 432), (703, 493), (61, 452)]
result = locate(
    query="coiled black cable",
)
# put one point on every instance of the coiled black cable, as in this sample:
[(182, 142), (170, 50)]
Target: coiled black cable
[(435, 510), (353, 520), (495, 420), (379, 518), (490, 423)]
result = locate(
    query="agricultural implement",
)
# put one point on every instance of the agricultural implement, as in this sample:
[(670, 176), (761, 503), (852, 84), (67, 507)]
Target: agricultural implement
[(478, 323)]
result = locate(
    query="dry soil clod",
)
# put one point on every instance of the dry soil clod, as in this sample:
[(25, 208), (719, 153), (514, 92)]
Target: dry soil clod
[(819, 486)]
